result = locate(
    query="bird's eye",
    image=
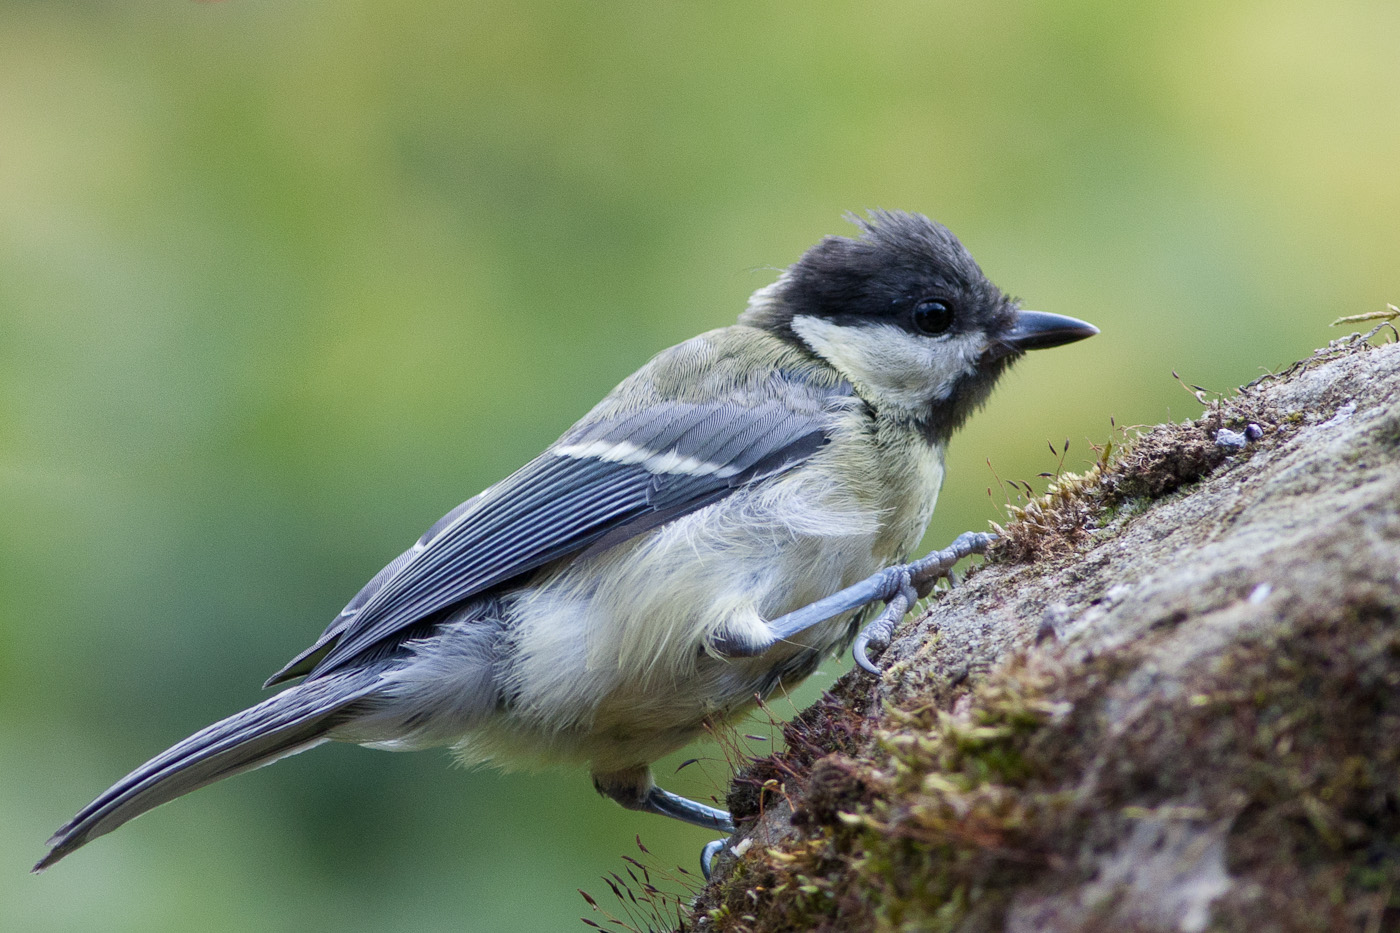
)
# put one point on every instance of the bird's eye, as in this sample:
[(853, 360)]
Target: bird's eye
[(932, 316)]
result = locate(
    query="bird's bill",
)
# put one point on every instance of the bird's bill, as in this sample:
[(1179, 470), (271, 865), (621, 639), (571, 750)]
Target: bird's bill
[(1037, 330)]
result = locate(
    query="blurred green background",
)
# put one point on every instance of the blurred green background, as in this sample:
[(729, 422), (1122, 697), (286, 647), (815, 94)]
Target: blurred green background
[(281, 282)]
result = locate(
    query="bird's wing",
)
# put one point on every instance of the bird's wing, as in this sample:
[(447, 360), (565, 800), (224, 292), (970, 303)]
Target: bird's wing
[(609, 478)]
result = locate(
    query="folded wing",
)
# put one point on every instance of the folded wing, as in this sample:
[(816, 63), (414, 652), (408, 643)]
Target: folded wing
[(608, 479)]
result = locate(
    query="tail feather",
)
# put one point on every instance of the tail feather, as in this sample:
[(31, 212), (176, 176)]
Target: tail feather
[(292, 721)]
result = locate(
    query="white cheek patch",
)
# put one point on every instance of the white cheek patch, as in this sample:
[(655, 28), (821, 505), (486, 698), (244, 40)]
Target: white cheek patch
[(907, 371)]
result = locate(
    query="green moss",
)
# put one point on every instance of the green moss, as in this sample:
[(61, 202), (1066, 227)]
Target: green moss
[(959, 811)]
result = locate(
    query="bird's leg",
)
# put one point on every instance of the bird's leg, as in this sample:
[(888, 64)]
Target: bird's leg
[(900, 587), (634, 790), (915, 581)]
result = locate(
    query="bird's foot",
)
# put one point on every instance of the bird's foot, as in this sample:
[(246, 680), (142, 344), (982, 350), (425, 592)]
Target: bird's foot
[(908, 584)]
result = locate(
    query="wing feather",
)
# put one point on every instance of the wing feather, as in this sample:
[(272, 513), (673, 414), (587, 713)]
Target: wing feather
[(609, 478)]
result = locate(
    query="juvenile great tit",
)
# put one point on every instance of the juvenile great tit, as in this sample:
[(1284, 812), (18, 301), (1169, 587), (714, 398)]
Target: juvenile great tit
[(706, 534)]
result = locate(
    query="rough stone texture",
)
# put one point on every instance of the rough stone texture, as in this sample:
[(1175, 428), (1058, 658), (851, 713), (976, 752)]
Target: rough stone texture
[(1170, 701)]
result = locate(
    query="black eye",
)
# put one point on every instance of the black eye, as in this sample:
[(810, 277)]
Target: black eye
[(932, 316)]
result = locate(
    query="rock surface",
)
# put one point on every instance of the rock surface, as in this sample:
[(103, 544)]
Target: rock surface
[(1170, 701)]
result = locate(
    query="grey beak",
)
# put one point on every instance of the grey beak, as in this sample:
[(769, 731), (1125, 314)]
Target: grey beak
[(1037, 330)]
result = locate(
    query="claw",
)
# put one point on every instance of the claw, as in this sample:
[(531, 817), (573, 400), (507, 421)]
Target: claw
[(707, 856), (912, 582), (877, 633)]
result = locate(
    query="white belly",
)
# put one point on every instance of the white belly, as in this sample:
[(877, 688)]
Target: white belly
[(605, 659)]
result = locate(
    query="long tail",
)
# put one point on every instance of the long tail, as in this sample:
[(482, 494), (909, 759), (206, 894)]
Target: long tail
[(290, 722)]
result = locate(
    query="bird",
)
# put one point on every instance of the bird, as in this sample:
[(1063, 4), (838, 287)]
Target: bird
[(719, 523)]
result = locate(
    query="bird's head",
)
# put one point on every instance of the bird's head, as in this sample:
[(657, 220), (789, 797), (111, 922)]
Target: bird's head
[(905, 314)]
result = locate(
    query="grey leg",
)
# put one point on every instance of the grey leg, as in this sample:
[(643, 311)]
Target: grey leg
[(635, 791), (688, 811), (900, 587)]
